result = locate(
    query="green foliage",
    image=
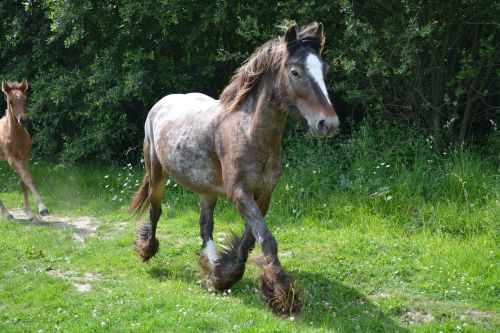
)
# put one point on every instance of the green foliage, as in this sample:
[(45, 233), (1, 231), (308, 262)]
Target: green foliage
[(432, 63), (96, 68)]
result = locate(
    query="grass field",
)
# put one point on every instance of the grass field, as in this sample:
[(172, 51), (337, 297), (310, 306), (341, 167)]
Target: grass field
[(380, 237)]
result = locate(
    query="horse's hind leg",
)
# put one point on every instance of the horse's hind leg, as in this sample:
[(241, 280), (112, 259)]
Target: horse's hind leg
[(220, 272), (208, 254), (147, 244), (233, 257), (21, 167), (4, 211)]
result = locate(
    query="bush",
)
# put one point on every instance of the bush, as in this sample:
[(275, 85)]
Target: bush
[(96, 68)]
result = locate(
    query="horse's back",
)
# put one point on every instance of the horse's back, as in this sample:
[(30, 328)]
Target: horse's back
[(183, 104), (181, 130)]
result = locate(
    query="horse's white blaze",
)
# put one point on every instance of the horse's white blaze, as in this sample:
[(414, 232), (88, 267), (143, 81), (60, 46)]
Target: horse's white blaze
[(211, 252), (315, 69)]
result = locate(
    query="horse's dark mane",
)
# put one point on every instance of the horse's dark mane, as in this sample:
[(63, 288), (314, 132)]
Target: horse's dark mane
[(265, 58), (268, 57)]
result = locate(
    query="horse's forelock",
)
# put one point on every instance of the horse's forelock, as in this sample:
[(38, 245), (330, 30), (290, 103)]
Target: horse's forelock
[(269, 56), (313, 30)]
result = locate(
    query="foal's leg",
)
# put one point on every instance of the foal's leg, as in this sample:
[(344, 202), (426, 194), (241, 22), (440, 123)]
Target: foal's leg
[(275, 284), (4, 211), (27, 181), (146, 244), (27, 209)]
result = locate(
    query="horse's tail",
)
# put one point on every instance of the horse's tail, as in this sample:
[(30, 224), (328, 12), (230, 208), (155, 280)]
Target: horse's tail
[(140, 201)]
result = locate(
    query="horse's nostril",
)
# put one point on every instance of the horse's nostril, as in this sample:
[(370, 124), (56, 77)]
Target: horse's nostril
[(321, 125), (23, 121)]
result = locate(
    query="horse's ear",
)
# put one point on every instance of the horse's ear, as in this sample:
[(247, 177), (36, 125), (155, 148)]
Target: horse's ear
[(321, 36), (319, 31), (24, 85), (6, 87), (291, 34)]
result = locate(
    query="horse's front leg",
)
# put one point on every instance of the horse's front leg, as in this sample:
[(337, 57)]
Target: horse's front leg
[(27, 182), (4, 211), (276, 285)]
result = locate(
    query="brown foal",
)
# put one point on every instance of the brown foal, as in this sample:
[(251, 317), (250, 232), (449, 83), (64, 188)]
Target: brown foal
[(15, 143)]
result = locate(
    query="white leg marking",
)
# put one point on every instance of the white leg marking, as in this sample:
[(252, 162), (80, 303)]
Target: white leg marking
[(315, 69), (41, 206), (29, 214), (211, 252)]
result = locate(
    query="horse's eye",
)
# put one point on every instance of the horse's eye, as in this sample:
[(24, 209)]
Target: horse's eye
[(295, 73)]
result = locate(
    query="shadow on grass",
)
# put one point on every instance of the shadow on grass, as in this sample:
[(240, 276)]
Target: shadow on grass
[(329, 303), (163, 273)]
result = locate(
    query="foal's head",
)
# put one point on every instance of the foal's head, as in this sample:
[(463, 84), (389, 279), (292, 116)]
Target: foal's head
[(15, 95), (302, 81)]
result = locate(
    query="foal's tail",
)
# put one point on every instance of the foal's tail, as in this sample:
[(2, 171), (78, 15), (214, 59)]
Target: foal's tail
[(140, 201)]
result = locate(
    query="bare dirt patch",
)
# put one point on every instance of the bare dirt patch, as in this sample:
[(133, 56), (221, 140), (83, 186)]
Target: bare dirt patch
[(82, 226), (82, 282), (478, 316), (414, 316)]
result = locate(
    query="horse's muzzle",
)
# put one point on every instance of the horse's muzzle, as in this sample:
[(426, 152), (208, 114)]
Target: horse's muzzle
[(23, 121), (325, 127)]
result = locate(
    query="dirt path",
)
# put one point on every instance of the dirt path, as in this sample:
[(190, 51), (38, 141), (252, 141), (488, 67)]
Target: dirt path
[(82, 226)]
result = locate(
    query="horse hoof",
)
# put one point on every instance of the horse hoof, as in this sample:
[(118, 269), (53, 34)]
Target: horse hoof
[(210, 275), (33, 219), (146, 249), (44, 212), (278, 290)]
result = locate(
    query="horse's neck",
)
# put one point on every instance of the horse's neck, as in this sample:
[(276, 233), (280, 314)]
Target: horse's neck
[(268, 117), (11, 122)]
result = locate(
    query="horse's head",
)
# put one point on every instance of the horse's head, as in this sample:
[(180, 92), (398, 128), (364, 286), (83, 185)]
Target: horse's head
[(302, 76), (15, 95)]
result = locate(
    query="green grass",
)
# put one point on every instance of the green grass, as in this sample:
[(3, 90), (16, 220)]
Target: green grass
[(412, 246)]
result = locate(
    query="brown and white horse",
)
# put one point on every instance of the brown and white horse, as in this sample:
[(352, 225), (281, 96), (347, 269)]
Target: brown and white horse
[(15, 143), (232, 148)]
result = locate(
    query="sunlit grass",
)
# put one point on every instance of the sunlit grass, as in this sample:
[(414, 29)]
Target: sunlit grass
[(379, 240)]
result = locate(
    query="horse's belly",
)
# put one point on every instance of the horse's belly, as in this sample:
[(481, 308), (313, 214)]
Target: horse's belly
[(200, 176), (192, 162), (182, 127)]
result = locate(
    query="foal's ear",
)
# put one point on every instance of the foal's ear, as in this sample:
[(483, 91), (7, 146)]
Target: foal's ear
[(23, 85), (291, 34), (6, 87)]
